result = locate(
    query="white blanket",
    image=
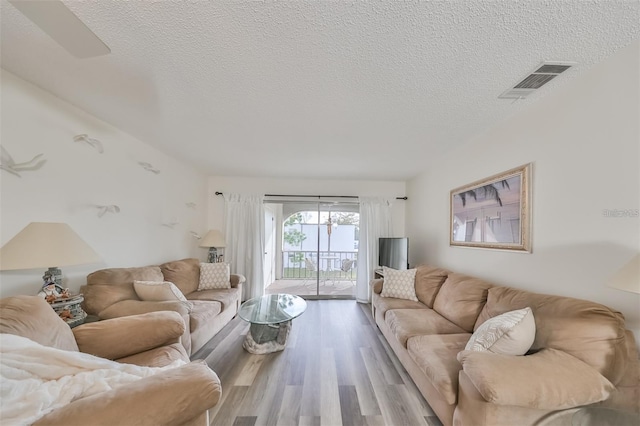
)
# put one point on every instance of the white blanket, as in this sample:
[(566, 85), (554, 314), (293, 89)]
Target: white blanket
[(36, 379)]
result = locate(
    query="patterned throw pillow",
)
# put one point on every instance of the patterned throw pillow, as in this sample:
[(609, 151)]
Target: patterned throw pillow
[(214, 275), (400, 284), (158, 291), (511, 333)]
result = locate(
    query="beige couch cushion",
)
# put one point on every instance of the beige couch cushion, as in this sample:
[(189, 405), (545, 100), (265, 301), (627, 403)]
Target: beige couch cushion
[(549, 379), (587, 330), (97, 298), (157, 357), (33, 318), (435, 355), (384, 304), (203, 313), (406, 323), (227, 297), (135, 307), (461, 298), (429, 279), (108, 286), (152, 330), (185, 274)]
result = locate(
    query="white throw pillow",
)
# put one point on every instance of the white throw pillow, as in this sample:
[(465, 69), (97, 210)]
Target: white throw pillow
[(158, 291), (511, 333), (214, 275), (400, 284)]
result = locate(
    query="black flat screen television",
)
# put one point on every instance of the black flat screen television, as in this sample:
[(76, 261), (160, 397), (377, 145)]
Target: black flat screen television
[(393, 253)]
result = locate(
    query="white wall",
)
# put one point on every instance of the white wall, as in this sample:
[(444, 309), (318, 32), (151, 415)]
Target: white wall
[(247, 185), (584, 145), (76, 176)]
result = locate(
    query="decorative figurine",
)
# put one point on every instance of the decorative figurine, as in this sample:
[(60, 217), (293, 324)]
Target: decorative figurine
[(65, 314), (51, 292)]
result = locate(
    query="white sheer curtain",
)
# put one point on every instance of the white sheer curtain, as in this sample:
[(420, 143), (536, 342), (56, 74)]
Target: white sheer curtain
[(245, 240), (375, 222)]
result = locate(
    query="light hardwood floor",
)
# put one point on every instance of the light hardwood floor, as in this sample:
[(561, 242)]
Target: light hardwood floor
[(308, 287), (337, 369)]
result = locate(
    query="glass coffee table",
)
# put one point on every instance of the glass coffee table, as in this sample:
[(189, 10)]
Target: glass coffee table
[(270, 317)]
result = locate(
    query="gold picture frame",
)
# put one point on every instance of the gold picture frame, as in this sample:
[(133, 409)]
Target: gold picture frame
[(493, 213)]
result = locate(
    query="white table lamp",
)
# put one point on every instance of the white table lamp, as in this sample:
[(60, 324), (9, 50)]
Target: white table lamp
[(213, 240), (46, 245)]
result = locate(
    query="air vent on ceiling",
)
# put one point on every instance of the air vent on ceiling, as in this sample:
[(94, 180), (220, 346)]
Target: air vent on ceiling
[(543, 74)]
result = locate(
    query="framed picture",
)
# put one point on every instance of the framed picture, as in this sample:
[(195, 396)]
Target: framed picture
[(494, 212)]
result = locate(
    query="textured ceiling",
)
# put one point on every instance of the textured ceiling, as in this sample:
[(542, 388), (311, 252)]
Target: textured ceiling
[(354, 90)]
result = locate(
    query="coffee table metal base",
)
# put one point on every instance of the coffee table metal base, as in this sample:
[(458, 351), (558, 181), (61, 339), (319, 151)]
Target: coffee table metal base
[(267, 338)]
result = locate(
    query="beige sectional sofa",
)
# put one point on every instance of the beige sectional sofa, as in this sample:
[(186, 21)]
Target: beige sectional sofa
[(581, 354), (176, 396), (110, 293)]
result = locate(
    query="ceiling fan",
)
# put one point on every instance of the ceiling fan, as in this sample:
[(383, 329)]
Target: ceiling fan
[(62, 25)]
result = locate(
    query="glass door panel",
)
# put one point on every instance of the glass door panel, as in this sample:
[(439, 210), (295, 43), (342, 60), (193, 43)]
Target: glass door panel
[(318, 245), (338, 252)]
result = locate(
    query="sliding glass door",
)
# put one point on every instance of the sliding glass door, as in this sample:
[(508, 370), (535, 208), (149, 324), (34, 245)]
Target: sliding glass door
[(316, 248)]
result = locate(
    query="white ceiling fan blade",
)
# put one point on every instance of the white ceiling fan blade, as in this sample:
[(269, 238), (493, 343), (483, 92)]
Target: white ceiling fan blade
[(55, 19)]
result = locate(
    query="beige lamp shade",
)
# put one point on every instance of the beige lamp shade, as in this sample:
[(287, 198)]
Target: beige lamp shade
[(628, 277), (44, 245), (214, 238)]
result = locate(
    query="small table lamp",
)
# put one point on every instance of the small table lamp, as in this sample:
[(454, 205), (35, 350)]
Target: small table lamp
[(42, 245), (213, 240)]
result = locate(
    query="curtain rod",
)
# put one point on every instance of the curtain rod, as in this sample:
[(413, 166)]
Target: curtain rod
[(315, 196)]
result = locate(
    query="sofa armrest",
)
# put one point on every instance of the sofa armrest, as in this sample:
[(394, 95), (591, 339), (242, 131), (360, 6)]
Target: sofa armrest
[(122, 337), (167, 398), (135, 307), (236, 280), (549, 379), (376, 285)]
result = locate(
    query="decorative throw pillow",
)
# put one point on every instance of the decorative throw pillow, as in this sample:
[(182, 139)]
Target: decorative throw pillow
[(214, 275), (511, 333), (400, 284), (158, 291)]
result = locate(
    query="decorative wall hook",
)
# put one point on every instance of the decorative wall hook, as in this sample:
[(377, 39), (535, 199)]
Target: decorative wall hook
[(107, 209), (195, 235), (148, 167), (95, 143), (9, 165)]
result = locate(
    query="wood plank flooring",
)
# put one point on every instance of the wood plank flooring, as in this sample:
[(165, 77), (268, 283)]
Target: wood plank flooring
[(309, 287), (337, 369)]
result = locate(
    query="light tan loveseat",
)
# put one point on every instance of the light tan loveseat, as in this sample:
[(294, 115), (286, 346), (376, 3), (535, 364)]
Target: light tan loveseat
[(109, 293), (581, 354), (177, 396)]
